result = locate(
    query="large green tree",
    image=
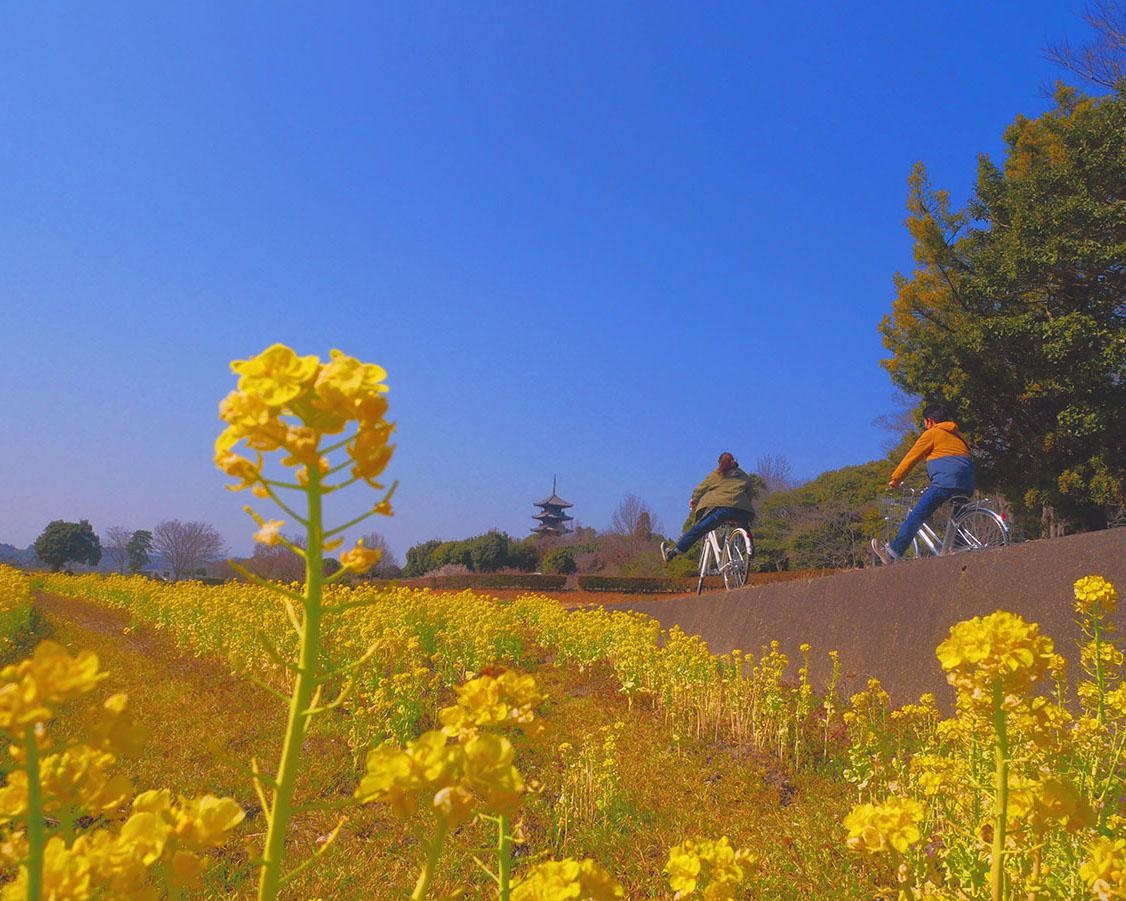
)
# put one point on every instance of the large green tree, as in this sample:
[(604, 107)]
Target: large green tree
[(63, 542), (1015, 312)]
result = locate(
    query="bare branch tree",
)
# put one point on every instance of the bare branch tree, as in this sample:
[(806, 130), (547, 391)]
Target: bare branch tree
[(632, 513), (388, 566), (277, 562), (776, 473), (187, 546), (899, 421), (1103, 61), (116, 547)]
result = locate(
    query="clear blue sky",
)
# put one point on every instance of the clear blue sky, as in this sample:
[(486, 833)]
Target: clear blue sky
[(604, 241)]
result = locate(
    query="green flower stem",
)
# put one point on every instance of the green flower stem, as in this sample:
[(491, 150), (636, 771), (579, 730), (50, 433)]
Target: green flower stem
[(504, 857), (433, 852), (1100, 677), (1000, 792), (304, 688), (36, 836)]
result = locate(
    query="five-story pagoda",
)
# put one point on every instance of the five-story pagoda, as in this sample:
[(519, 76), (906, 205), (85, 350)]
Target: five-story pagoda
[(553, 521)]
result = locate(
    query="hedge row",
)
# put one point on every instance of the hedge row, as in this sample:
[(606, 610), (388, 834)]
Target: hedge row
[(636, 584), (529, 581)]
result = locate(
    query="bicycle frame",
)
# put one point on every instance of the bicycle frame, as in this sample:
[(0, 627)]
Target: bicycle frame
[(926, 540), (712, 560)]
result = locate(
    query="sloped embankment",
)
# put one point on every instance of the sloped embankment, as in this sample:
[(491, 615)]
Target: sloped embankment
[(887, 621)]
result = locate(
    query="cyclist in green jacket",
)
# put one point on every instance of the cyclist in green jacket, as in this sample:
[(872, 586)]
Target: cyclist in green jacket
[(725, 495)]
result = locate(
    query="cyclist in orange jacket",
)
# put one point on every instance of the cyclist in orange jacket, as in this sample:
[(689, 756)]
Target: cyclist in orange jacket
[(951, 472)]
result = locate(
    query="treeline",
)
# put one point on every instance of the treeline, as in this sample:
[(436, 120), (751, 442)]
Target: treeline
[(489, 553)]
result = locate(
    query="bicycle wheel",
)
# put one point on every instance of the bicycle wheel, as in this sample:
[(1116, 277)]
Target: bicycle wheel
[(977, 529), (738, 549)]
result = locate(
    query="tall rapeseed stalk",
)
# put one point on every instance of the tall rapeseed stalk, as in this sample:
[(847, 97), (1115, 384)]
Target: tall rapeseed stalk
[(288, 404)]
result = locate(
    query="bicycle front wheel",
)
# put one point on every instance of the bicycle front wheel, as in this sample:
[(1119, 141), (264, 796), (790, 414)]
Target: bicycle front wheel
[(978, 529), (738, 550)]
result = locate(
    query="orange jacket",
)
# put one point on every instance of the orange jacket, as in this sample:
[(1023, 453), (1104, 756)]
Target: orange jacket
[(947, 454)]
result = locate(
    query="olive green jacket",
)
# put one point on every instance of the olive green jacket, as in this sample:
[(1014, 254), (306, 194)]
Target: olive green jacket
[(735, 489)]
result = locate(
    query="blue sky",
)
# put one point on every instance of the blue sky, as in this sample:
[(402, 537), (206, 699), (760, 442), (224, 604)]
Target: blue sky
[(603, 241)]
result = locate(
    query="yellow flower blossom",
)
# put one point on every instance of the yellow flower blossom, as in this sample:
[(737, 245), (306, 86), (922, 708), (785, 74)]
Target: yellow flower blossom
[(557, 880), (875, 828), (1104, 870), (370, 451), (269, 532), (276, 376), (360, 559), (713, 865), (350, 389), (1001, 645), (1094, 595)]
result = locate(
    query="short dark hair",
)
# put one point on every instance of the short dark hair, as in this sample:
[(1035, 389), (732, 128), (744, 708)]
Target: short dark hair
[(938, 411)]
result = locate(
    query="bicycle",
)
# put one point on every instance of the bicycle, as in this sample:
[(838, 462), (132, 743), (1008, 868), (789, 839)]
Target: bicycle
[(730, 556), (971, 526)]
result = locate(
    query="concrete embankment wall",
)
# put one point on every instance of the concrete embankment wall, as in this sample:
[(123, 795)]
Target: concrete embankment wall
[(887, 621)]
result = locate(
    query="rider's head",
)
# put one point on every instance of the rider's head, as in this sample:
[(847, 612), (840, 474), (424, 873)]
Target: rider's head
[(727, 462), (938, 412)]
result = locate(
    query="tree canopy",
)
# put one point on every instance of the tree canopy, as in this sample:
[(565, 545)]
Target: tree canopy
[(1015, 312), (63, 542)]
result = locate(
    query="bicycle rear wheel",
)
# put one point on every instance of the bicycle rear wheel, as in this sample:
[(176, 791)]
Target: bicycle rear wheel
[(978, 529), (738, 550)]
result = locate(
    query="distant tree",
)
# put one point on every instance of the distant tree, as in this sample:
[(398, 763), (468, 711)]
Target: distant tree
[(388, 566), (644, 528), (1014, 312), (560, 560), (276, 562), (488, 552), (624, 520), (523, 555), (116, 547), (418, 558), (776, 473), (62, 542), (825, 522), (1103, 61), (187, 546), (138, 550), (903, 419)]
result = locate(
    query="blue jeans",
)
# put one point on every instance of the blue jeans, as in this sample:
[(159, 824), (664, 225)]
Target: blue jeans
[(931, 499), (709, 521)]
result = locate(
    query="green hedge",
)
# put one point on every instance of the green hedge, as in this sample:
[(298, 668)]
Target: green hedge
[(529, 581), (636, 584)]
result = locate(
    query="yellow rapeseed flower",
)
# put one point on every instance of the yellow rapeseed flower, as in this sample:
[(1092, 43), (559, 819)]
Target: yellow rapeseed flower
[(1104, 870), (556, 880), (276, 376), (360, 559), (874, 828), (1094, 595), (1001, 645)]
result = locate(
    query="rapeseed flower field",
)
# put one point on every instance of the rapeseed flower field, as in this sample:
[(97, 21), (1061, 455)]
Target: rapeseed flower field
[(437, 745)]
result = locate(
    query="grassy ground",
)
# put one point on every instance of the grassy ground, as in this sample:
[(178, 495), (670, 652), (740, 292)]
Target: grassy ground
[(206, 724)]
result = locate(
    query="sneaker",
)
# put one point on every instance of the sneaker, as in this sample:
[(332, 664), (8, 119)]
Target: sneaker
[(882, 551), (668, 551)]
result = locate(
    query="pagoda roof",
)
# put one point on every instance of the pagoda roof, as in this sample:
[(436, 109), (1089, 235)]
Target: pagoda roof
[(557, 516), (546, 529), (554, 501)]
